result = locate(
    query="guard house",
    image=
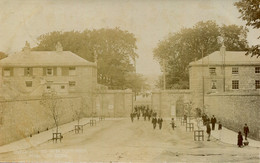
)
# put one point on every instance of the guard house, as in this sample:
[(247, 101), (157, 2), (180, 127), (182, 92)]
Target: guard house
[(227, 84), (226, 72), (32, 73)]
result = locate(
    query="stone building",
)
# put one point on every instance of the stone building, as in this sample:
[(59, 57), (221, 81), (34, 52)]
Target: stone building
[(31, 73), (27, 75), (227, 84)]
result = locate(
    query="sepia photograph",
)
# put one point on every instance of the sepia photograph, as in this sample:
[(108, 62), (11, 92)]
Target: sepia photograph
[(172, 81)]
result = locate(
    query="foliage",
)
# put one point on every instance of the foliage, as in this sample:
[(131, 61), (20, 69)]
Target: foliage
[(79, 111), (183, 47), (250, 12), (2, 55), (50, 101), (114, 50)]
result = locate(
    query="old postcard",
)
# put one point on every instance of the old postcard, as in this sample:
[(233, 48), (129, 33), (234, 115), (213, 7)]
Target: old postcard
[(129, 81)]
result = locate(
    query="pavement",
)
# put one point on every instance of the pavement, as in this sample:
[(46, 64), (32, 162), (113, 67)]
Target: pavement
[(42, 137), (225, 135)]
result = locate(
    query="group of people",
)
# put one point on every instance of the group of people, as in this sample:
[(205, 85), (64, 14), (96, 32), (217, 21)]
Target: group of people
[(148, 114), (240, 137), (206, 121), (143, 111)]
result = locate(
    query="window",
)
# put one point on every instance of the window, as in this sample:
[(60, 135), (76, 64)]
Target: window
[(72, 84), (28, 71), (28, 83), (257, 70), (62, 87), (72, 71), (235, 84), (48, 84), (213, 86), (257, 84), (234, 70), (49, 72), (7, 72), (212, 70)]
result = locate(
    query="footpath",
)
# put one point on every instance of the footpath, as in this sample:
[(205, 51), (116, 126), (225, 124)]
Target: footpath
[(42, 137), (226, 135)]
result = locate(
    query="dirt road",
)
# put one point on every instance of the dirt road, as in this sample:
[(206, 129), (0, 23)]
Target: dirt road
[(124, 141)]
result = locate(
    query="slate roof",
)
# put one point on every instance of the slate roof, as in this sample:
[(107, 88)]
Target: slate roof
[(231, 58), (44, 58)]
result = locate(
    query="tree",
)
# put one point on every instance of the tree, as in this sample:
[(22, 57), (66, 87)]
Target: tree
[(50, 101), (183, 47), (2, 55), (79, 111), (113, 49), (250, 12)]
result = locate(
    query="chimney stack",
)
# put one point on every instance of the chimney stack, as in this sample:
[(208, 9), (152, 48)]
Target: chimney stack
[(27, 48), (59, 47)]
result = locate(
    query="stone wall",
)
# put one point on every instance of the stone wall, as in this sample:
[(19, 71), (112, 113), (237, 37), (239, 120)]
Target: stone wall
[(234, 110), (25, 116), (113, 103), (169, 103)]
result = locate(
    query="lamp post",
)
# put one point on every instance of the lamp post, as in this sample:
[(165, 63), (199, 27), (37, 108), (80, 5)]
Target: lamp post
[(164, 71)]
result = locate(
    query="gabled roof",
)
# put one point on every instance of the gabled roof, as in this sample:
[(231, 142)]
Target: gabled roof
[(44, 58), (231, 58)]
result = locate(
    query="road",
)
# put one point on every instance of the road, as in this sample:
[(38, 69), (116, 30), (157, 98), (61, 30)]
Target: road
[(123, 141)]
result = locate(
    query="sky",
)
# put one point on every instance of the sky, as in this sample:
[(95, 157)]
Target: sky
[(149, 20)]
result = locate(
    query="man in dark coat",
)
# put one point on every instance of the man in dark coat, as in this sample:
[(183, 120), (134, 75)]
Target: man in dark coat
[(160, 120), (208, 131), (213, 122), (172, 123), (239, 139), (132, 117), (185, 117), (138, 115), (154, 121), (246, 131)]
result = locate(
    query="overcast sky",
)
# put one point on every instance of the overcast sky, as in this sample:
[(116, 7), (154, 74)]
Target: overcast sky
[(149, 20)]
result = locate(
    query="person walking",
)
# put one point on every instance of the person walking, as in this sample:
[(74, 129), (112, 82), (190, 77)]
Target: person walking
[(213, 122), (219, 130), (208, 131), (138, 115), (246, 131), (239, 139), (132, 117), (160, 121), (154, 121), (172, 123)]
